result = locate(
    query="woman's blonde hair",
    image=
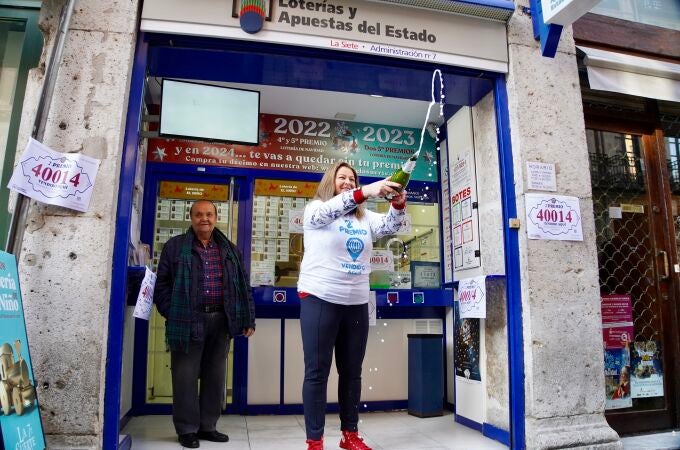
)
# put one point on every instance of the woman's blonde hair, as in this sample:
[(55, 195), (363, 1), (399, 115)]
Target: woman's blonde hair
[(326, 189)]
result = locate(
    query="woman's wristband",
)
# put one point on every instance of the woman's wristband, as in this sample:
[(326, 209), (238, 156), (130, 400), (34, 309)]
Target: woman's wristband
[(396, 205), (359, 196)]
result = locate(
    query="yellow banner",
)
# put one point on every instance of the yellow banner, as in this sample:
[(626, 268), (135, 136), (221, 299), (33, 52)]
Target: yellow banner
[(194, 191), (284, 188)]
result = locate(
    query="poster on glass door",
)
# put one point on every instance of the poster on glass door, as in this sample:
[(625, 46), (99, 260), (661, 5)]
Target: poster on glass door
[(617, 378), (647, 371)]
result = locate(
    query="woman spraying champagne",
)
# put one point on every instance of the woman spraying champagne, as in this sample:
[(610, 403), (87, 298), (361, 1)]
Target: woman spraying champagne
[(334, 290)]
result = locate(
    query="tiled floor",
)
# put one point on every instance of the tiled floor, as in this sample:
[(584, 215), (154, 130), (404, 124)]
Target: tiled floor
[(382, 431), (657, 441)]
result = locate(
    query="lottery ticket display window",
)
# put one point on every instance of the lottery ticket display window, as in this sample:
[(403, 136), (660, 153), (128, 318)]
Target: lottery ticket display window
[(409, 259)]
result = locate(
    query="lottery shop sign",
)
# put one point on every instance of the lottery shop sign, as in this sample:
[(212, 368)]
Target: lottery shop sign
[(553, 217), (305, 144)]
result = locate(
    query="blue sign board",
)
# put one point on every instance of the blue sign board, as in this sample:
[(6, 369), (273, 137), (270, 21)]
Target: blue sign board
[(548, 33), (549, 17), (20, 424)]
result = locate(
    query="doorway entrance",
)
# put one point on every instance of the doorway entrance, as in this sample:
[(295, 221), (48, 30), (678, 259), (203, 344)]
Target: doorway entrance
[(635, 214), (265, 380), (171, 200)]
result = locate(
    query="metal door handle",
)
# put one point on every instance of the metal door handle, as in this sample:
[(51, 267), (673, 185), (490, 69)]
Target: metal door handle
[(666, 274)]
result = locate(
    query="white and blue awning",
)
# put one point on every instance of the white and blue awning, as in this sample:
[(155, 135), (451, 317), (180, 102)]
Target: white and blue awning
[(499, 10), (632, 75)]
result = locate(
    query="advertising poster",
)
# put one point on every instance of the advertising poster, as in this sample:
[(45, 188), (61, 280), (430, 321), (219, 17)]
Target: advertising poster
[(617, 335), (617, 378), (62, 179), (616, 308), (467, 347), (463, 193), (647, 373), (555, 217), (472, 297), (617, 320), (304, 144), (20, 424)]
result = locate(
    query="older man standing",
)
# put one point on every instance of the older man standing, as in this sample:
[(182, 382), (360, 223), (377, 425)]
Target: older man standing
[(202, 291)]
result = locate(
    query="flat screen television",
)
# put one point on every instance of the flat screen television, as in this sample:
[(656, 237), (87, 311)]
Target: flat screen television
[(209, 113)]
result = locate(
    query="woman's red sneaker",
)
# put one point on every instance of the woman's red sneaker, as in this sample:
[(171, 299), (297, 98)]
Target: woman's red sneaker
[(314, 445), (351, 440)]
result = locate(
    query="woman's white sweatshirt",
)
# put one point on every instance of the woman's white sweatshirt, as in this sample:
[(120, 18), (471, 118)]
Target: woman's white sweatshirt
[(338, 247)]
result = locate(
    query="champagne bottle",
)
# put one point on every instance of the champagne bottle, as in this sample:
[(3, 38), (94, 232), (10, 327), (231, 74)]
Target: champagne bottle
[(403, 175)]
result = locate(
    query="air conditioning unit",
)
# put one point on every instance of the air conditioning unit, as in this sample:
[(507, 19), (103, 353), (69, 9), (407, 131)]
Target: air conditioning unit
[(427, 326)]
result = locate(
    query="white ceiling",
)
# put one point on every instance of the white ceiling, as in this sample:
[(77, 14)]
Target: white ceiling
[(326, 104)]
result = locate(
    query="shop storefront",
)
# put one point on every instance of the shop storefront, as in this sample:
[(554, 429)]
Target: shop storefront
[(335, 80), (349, 81)]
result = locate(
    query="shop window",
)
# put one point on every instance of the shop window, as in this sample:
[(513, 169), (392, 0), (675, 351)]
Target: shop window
[(673, 160), (615, 160), (660, 13), (276, 247), (415, 249), (407, 260), (12, 38)]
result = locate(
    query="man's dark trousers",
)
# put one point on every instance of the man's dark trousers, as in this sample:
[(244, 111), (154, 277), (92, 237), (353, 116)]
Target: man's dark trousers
[(207, 359)]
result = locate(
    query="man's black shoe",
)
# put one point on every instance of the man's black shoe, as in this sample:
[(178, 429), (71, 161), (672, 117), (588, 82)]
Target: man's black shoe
[(189, 440), (214, 436)]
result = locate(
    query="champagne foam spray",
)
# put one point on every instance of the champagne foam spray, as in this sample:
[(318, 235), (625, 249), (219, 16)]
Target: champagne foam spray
[(436, 73)]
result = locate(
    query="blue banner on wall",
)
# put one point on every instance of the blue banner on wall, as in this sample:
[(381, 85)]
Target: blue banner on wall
[(20, 424)]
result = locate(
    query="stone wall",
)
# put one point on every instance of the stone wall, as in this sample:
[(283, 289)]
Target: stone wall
[(563, 357), (66, 256), (493, 262)]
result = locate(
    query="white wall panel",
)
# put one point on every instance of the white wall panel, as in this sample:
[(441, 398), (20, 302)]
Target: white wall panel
[(264, 363)]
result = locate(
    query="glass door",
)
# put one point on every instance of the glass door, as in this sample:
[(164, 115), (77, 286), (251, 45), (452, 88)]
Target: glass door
[(171, 219), (20, 47), (638, 283)]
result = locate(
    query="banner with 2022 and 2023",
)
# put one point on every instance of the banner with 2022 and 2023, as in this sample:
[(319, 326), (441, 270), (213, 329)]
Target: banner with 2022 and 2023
[(305, 144)]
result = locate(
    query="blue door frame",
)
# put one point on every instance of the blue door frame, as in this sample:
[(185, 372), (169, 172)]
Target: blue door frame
[(152, 54)]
